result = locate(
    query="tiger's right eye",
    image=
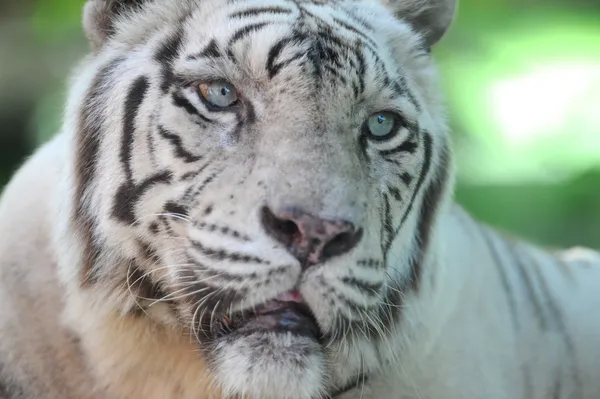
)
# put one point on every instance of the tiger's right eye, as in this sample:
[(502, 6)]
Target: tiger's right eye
[(218, 95)]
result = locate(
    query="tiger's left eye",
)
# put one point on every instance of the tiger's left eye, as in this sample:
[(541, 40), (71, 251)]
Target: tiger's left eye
[(218, 94), (382, 125)]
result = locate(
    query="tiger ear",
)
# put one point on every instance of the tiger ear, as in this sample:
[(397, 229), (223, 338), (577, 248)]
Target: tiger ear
[(99, 18), (431, 18)]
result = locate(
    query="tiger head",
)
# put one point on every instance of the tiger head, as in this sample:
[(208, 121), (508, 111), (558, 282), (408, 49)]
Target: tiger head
[(266, 172)]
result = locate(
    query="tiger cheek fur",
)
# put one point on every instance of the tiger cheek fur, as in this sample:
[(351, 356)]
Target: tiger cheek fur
[(175, 205)]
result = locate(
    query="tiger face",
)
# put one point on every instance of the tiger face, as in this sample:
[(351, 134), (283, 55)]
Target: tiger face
[(267, 171)]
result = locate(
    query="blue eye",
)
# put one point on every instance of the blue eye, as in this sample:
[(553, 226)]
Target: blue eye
[(382, 125), (218, 94)]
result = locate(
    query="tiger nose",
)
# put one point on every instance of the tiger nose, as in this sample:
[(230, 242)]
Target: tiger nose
[(310, 239)]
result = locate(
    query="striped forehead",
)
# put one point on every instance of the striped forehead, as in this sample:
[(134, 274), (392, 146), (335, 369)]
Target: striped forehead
[(263, 39)]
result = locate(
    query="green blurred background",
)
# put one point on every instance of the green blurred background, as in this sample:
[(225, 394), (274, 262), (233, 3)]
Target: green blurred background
[(522, 80)]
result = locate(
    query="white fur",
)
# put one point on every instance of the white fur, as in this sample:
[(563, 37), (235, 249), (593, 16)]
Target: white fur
[(457, 335)]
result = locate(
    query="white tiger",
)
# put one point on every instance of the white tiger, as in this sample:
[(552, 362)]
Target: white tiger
[(252, 199)]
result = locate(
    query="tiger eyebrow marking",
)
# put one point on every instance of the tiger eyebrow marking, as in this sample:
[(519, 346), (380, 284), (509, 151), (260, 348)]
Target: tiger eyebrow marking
[(242, 33), (210, 51), (272, 66)]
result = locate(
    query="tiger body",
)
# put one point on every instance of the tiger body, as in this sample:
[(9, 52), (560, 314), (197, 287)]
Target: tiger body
[(137, 244)]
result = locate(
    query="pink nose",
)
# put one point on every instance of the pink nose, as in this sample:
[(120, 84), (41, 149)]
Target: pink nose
[(310, 239)]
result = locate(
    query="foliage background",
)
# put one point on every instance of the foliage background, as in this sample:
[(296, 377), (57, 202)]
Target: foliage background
[(521, 77)]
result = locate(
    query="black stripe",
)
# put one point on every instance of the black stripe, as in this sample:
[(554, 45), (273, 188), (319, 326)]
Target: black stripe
[(182, 102), (334, 71), (176, 142), (356, 31), (214, 300), (166, 56), (387, 223), (361, 71), (128, 195), (408, 146), (400, 88), (210, 51), (557, 388), (396, 193), (406, 178), (192, 175), (168, 52), (429, 207), (412, 99), (134, 100), (316, 54), (147, 252), (272, 67), (224, 230), (370, 263), (388, 313), (357, 307), (151, 145), (243, 32), (195, 192), (175, 209), (379, 66), (221, 254), (89, 133), (142, 284), (10, 389), (558, 319), (500, 267), (253, 12), (497, 259), (427, 141), (206, 272), (363, 286), (526, 279)]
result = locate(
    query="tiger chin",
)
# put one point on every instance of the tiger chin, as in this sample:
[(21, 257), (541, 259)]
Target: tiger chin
[(253, 199)]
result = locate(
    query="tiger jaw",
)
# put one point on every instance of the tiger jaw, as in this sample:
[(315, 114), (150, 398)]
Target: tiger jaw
[(269, 349)]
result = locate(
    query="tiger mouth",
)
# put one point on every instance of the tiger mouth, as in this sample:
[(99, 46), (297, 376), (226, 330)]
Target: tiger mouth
[(287, 313)]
